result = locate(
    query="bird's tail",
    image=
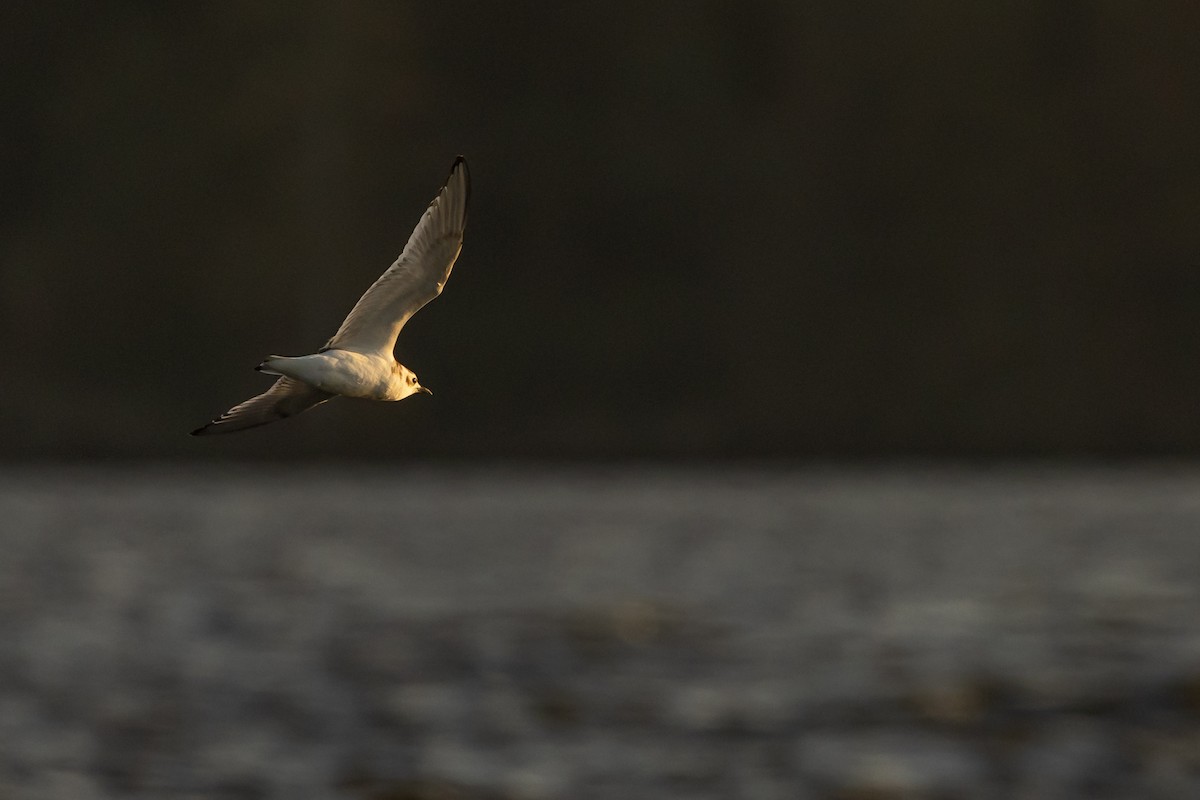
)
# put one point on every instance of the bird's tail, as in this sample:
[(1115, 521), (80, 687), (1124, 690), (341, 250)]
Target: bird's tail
[(266, 368)]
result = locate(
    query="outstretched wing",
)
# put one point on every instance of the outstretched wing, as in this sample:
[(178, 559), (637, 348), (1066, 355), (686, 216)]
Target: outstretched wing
[(416, 277), (286, 398)]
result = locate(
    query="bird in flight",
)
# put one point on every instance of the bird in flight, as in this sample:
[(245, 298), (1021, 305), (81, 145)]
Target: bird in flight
[(358, 361)]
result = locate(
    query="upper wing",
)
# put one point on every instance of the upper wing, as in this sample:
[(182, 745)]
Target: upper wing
[(287, 397), (416, 277)]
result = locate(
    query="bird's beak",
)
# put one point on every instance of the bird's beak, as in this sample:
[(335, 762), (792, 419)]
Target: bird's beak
[(423, 389)]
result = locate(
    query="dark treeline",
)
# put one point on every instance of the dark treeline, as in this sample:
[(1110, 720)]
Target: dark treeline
[(698, 229)]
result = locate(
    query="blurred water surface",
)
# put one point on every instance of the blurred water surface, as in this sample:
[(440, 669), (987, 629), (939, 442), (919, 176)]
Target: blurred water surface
[(498, 632)]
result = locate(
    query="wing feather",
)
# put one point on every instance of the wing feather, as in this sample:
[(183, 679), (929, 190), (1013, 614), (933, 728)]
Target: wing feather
[(286, 398), (416, 277)]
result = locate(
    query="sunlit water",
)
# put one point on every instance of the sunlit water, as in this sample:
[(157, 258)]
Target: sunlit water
[(599, 633)]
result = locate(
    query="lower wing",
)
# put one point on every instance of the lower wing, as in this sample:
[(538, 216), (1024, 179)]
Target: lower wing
[(286, 398)]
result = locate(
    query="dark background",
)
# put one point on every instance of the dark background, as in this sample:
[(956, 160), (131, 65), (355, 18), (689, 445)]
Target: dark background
[(745, 229)]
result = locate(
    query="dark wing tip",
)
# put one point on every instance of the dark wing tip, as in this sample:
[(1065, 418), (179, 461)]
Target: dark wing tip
[(461, 161), (208, 429)]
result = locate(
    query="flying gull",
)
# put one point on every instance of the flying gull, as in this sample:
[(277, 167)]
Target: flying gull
[(358, 360)]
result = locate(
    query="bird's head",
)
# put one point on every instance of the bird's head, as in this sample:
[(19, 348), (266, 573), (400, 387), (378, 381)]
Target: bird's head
[(405, 382)]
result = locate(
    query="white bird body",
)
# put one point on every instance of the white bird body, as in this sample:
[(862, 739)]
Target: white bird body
[(358, 360), (350, 374)]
